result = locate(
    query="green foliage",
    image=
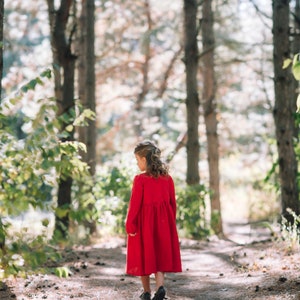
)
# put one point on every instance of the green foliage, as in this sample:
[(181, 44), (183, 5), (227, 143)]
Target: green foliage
[(296, 72), (26, 253), (271, 177), (297, 148), (83, 209), (31, 167), (113, 194), (191, 211), (62, 272), (290, 232), (31, 164), (215, 220)]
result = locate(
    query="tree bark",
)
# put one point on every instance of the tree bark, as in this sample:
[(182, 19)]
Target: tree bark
[(284, 110), (64, 66), (86, 79), (86, 85), (210, 114), (296, 49), (2, 231), (1, 45), (192, 100)]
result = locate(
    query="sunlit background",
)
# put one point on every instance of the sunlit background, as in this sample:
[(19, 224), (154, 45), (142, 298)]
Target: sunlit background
[(244, 89)]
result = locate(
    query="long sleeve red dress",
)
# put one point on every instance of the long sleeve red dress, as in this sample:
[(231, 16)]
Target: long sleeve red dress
[(152, 216)]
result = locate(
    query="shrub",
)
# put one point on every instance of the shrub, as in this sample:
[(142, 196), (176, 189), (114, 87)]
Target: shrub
[(290, 233), (191, 211), (113, 194)]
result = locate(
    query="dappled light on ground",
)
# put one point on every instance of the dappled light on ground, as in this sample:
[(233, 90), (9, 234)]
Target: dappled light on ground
[(212, 270)]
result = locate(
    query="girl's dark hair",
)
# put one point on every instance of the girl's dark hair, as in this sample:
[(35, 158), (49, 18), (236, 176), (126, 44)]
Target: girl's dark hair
[(155, 167)]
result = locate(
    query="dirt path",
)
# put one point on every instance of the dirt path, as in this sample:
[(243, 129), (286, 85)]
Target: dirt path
[(212, 270)]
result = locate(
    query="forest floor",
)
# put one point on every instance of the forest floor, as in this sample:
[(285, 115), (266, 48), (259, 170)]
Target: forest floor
[(248, 264)]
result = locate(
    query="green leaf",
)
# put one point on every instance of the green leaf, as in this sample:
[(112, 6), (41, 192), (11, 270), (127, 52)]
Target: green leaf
[(47, 73), (286, 63), (296, 71), (61, 212), (82, 146), (86, 115), (45, 222), (62, 272), (296, 58), (69, 128), (296, 67), (298, 103)]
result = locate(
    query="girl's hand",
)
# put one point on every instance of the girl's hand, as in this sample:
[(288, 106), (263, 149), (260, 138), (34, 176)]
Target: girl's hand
[(132, 234)]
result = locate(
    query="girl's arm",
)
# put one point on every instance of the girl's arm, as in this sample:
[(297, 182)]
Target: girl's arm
[(134, 206), (172, 196)]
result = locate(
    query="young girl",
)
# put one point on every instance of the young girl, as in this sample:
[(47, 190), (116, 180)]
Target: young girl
[(153, 246)]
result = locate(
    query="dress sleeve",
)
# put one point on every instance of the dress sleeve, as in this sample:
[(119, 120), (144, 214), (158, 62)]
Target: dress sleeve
[(134, 205), (172, 196)]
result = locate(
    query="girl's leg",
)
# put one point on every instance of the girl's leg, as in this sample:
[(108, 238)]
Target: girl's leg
[(146, 283), (159, 279)]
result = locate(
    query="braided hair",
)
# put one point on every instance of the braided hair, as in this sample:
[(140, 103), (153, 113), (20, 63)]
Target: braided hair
[(154, 166)]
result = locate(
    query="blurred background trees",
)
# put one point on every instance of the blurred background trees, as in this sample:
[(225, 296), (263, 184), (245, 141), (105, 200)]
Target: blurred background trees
[(84, 81)]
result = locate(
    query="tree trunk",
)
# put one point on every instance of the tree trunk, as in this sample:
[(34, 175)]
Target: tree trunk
[(64, 65), (1, 44), (210, 114), (2, 231), (86, 84), (86, 79), (192, 100), (296, 49), (284, 110)]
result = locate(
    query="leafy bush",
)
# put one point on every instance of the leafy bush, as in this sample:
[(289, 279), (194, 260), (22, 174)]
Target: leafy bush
[(113, 194), (191, 211), (32, 162), (297, 147), (25, 253), (290, 233)]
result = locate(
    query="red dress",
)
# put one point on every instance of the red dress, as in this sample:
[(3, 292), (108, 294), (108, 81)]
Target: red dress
[(152, 216)]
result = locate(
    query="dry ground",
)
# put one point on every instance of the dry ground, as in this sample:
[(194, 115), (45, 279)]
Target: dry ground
[(246, 266)]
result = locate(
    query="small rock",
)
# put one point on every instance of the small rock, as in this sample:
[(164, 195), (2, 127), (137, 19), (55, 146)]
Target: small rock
[(282, 279)]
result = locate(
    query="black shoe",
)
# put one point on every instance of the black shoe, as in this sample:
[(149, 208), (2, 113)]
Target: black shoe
[(160, 294), (146, 296)]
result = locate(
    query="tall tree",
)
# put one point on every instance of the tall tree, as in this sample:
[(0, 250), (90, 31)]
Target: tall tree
[(64, 66), (284, 109), (210, 114), (2, 232), (86, 86), (1, 44), (86, 79), (295, 50), (192, 100)]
